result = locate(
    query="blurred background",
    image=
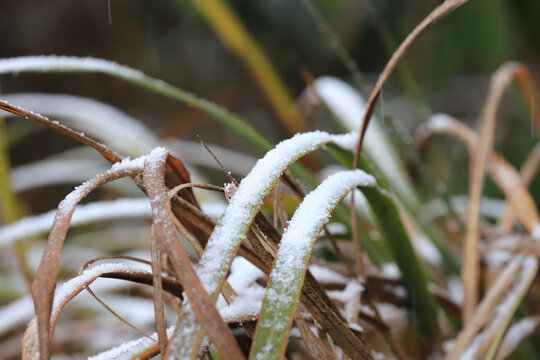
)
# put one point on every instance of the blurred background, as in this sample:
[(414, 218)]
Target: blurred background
[(448, 69)]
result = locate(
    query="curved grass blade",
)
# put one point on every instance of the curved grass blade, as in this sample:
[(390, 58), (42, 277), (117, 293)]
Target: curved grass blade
[(71, 64), (203, 305), (55, 125), (47, 273), (387, 215), (234, 224), (437, 14), (296, 246), (71, 288)]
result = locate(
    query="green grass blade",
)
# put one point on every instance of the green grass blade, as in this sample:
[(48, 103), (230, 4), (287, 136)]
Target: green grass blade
[(414, 279), (71, 64), (235, 222), (296, 247), (387, 215)]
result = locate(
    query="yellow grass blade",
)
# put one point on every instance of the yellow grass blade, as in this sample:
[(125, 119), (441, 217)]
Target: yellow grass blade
[(236, 38)]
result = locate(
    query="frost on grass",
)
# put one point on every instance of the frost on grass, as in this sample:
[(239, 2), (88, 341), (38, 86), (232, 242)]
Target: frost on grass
[(243, 279), (245, 202), (84, 214), (74, 286), (53, 63), (294, 252), (118, 130)]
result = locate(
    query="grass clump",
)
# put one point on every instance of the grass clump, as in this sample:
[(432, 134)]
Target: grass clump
[(277, 265)]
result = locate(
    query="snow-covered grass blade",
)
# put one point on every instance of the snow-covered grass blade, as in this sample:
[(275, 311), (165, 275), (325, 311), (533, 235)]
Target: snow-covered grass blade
[(288, 273)]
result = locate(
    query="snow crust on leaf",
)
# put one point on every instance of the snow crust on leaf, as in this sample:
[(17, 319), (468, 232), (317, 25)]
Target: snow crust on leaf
[(65, 63), (63, 293), (294, 252), (244, 204), (233, 225)]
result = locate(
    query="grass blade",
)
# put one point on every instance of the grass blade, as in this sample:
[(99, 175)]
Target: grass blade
[(295, 249), (47, 273), (437, 14), (202, 304), (134, 272), (243, 207), (71, 64)]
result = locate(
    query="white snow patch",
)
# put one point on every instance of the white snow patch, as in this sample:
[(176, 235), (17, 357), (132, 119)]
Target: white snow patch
[(326, 276), (391, 270), (536, 232), (455, 289), (439, 122), (517, 333), (425, 248)]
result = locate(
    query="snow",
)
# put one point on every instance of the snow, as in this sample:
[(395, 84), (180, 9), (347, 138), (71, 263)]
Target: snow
[(347, 104), (519, 331), (66, 290), (440, 122), (425, 248), (455, 289), (391, 270), (17, 312), (244, 203), (243, 279), (84, 214), (118, 130), (298, 240), (129, 349), (327, 276), (536, 232), (48, 63)]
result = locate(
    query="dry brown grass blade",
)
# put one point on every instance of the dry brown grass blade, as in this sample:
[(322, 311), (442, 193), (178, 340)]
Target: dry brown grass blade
[(485, 310), (176, 174), (31, 349), (316, 348), (158, 297), (202, 304), (500, 81), (527, 172), (102, 149), (438, 13), (47, 274), (503, 174)]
